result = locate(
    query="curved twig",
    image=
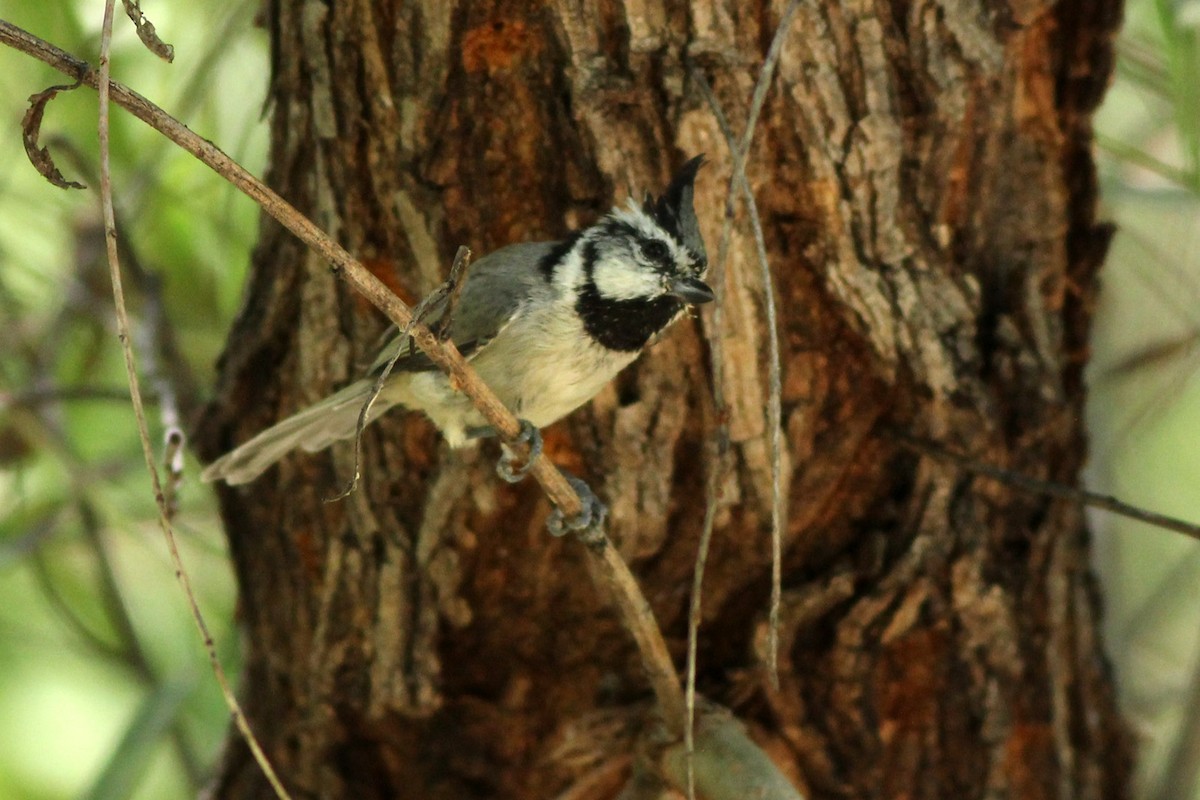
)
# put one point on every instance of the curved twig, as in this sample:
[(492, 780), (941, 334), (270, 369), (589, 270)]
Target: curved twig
[(104, 86), (1027, 483), (739, 151), (606, 563)]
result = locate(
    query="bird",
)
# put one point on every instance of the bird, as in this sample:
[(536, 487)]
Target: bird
[(545, 324)]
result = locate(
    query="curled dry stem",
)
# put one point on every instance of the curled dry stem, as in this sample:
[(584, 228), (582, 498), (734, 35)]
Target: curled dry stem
[(613, 573), (104, 87)]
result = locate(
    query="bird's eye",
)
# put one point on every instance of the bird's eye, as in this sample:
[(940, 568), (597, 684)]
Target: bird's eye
[(655, 251)]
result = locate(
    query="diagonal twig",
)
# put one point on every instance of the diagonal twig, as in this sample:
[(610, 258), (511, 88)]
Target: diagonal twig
[(450, 290), (739, 153), (1049, 488), (132, 654), (611, 571), (444, 354), (738, 182), (104, 86)]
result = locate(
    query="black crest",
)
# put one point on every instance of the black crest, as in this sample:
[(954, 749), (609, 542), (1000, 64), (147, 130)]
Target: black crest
[(674, 211)]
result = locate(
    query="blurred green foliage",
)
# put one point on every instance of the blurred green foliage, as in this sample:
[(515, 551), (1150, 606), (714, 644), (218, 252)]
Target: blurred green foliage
[(105, 690), (1144, 407)]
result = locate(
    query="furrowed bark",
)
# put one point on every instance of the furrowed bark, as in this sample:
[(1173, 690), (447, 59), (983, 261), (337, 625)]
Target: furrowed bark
[(924, 177)]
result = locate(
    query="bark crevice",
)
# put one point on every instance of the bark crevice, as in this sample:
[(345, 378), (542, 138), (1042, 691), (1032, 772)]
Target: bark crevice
[(929, 208)]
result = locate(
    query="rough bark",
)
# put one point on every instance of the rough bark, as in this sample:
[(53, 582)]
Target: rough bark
[(924, 175)]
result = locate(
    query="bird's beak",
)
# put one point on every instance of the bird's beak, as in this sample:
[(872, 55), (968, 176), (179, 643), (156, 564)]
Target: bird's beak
[(691, 290)]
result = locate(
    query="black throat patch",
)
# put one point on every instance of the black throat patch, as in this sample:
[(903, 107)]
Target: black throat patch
[(623, 325)]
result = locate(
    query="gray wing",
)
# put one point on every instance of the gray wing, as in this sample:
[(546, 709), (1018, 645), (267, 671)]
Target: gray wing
[(498, 286)]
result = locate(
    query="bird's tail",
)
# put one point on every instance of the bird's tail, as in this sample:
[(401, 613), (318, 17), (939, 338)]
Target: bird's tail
[(313, 429)]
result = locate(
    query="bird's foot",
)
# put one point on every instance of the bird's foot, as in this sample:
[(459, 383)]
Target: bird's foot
[(588, 524), (507, 468)]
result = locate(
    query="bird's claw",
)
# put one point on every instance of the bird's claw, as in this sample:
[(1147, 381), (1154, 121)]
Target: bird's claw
[(506, 467), (588, 524)]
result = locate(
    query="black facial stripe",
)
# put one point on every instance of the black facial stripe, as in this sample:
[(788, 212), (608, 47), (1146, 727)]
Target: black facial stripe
[(557, 254), (590, 256), (620, 229), (624, 325)]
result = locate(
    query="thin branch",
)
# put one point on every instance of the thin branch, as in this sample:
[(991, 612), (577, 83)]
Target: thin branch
[(1141, 158), (46, 395), (450, 289), (716, 462), (719, 448), (1049, 488), (104, 86), (444, 354), (131, 653), (739, 153), (775, 369), (718, 451), (635, 610), (625, 593), (453, 291)]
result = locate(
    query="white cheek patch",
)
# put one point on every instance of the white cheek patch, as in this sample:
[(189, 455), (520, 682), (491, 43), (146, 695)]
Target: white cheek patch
[(569, 273), (617, 279)]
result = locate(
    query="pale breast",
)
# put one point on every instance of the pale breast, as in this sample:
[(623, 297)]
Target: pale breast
[(541, 367), (560, 368)]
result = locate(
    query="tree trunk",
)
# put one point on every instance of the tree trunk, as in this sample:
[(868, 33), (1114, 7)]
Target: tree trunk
[(927, 194)]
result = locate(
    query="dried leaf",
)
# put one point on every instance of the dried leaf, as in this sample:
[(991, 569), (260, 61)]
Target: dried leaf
[(31, 129), (146, 32)]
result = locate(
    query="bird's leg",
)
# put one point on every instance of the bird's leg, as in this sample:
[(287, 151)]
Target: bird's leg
[(505, 466), (588, 524)]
